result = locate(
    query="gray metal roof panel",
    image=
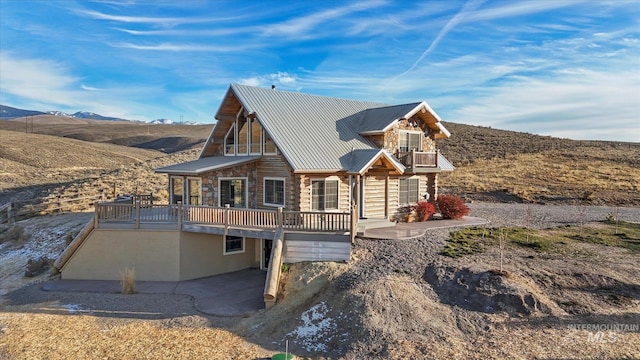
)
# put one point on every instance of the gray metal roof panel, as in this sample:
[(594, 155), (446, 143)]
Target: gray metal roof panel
[(444, 164), (378, 119), (362, 159), (205, 164), (312, 132)]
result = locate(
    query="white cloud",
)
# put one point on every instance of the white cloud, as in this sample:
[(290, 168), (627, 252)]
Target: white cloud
[(580, 104), (279, 78)]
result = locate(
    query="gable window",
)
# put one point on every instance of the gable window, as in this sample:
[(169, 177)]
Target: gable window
[(269, 146), (408, 191), (233, 244), (324, 195), (233, 192), (274, 192), (243, 136), (255, 137), (230, 141), (409, 141)]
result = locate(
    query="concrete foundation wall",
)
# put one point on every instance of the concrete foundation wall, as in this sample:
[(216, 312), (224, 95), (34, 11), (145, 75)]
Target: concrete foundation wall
[(105, 253), (202, 255), (155, 256)]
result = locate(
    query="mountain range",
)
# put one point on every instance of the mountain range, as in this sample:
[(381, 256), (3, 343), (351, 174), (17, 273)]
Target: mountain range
[(8, 112)]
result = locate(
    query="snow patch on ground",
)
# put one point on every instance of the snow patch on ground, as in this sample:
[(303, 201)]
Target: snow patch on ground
[(315, 327), (46, 238)]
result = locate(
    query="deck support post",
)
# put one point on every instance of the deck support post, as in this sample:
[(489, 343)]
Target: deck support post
[(280, 218), (354, 222)]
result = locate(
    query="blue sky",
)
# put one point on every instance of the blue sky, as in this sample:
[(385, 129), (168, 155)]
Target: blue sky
[(562, 68)]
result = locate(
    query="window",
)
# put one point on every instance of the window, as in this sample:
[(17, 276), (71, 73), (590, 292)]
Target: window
[(324, 195), (194, 189), (233, 244), (230, 141), (408, 191), (176, 189), (243, 136), (274, 192), (233, 192), (269, 146), (255, 137), (408, 141)]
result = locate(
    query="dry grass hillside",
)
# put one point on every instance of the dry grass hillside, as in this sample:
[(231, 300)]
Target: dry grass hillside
[(34, 165), (165, 138), (498, 165)]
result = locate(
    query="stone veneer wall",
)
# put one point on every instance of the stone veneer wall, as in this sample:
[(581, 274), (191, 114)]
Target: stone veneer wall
[(210, 183)]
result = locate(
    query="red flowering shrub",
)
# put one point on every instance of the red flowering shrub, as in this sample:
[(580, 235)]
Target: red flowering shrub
[(452, 207), (424, 210)]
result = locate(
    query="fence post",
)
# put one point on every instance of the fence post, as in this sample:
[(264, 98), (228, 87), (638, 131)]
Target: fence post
[(137, 214), (280, 218), (179, 215)]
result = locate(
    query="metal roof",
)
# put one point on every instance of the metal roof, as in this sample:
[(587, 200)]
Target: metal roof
[(444, 164), (205, 164), (361, 160), (379, 119), (314, 133)]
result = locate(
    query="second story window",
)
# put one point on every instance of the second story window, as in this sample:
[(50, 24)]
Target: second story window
[(230, 141), (409, 141)]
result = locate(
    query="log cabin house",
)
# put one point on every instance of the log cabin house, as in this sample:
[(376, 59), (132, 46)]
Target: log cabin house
[(283, 176)]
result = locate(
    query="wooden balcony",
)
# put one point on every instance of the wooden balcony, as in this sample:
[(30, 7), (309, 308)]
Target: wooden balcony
[(418, 159)]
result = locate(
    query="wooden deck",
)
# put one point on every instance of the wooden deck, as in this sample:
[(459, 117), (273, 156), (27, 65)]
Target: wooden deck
[(216, 220)]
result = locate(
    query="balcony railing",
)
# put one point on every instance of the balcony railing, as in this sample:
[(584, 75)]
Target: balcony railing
[(414, 159), (305, 221)]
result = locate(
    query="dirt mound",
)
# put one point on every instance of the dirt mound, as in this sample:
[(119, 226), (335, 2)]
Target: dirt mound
[(485, 291)]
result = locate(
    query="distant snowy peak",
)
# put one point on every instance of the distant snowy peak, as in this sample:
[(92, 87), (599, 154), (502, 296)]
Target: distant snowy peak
[(8, 112), (59, 113), (94, 116), (161, 121), (171, 122)]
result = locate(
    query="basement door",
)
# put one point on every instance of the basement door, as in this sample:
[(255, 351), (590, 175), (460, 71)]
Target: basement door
[(267, 245)]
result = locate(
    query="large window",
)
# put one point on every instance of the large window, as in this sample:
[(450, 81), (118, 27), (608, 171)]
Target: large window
[(274, 192), (233, 244), (324, 195), (243, 136), (255, 136), (408, 191), (233, 192), (246, 136), (408, 141)]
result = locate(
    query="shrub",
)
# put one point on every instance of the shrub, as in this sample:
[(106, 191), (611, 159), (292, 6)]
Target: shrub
[(38, 266), (452, 207), (424, 210), (128, 281)]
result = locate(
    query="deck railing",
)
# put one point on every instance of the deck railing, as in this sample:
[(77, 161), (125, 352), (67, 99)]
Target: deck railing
[(418, 158), (306, 221)]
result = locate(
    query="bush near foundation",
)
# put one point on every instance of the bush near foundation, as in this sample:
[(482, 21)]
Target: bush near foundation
[(424, 210), (452, 207)]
